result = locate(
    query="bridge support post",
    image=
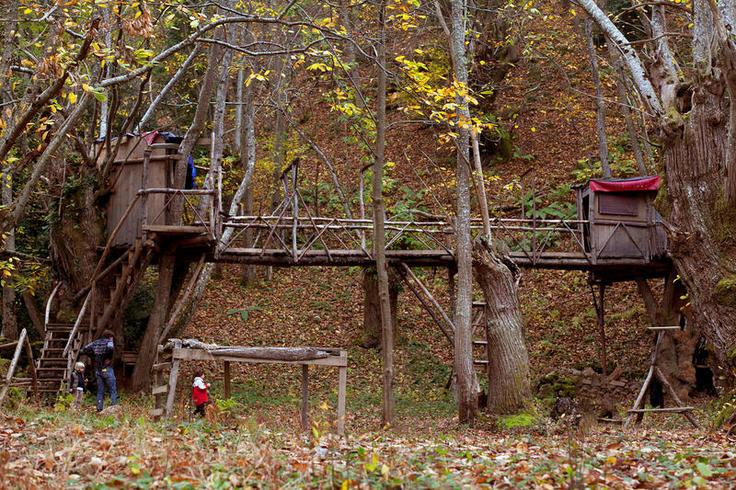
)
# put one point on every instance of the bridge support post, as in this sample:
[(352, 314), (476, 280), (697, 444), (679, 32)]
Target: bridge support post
[(600, 310)]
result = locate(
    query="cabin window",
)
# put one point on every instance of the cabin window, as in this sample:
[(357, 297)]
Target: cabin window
[(617, 203)]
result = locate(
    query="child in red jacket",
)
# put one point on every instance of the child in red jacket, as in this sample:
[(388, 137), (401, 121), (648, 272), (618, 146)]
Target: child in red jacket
[(200, 397)]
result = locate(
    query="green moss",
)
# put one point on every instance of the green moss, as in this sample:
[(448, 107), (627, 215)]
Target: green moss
[(553, 386), (725, 291), (522, 419), (724, 215)]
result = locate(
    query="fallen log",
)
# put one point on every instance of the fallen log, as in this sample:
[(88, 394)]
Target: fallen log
[(265, 353)]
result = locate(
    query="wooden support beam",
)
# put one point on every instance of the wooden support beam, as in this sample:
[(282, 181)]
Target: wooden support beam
[(664, 410), (443, 320), (183, 300), (160, 390), (600, 307), (341, 393), (173, 378), (690, 418), (31, 367), (226, 375), (305, 398), (640, 398)]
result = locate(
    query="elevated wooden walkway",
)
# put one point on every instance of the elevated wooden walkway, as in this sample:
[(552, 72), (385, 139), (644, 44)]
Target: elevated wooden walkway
[(285, 241)]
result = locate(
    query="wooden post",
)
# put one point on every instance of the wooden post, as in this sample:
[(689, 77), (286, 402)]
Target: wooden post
[(341, 392), (32, 368), (601, 312), (294, 209), (305, 398), (173, 378), (144, 187), (226, 374), (658, 372)]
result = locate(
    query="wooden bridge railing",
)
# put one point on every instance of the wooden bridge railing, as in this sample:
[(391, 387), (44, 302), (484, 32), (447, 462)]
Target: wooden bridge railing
[(182, 207), (297, 236)]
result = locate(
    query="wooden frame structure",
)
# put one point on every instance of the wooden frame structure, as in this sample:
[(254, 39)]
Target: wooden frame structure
[(193, 350), (637, 411), (10, 380)]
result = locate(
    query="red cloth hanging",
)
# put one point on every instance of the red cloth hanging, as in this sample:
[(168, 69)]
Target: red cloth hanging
[(150, 137), (627, 185)]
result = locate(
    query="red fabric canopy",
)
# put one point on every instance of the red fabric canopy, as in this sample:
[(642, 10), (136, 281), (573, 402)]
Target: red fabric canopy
[(626, 185)]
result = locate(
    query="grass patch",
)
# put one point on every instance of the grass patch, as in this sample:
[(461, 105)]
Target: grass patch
[(517, 420)]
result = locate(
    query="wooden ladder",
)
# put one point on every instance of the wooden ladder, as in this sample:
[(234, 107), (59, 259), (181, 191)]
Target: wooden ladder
[(636, 413), (481, 346)]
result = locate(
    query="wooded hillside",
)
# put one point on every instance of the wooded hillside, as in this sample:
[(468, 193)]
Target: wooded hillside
[(498, 210)]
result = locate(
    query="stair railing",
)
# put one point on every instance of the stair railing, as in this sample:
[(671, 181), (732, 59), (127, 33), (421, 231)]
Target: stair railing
[(71, 349), (49, 302)]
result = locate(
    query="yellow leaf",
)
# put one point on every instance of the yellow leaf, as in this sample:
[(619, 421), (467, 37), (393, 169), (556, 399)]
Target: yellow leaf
[(72, 98), (611, 460)]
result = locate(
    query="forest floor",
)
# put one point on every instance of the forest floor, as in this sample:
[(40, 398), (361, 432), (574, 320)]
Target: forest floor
[(43, 448)]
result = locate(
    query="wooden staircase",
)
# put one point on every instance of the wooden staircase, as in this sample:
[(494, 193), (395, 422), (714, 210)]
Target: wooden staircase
[(110, 292), (52, 364)]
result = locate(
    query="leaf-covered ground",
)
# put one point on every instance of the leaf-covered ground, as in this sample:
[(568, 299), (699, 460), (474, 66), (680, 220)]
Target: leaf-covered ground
[(41, 448)]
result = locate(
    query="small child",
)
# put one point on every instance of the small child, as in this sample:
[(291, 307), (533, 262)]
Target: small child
[(76, 385), (200, 397)]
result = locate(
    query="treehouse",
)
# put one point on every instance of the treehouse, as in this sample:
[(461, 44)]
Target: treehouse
[(143, 168), (619, 220)]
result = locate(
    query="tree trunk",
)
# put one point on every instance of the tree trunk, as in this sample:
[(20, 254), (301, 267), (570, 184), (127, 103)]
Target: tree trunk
[(379, 237), (509, 384), (600, 103), (157, 320), (33, 312), (248, 161), (463, 354), (10, 321), (281, 128), (701, 243), (372, 309), (677, 347)]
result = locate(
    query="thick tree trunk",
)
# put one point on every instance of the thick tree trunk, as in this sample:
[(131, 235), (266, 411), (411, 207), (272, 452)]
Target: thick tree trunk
[(509, 388), (702, 239), (156, 322), (677, 347), (372, 308)]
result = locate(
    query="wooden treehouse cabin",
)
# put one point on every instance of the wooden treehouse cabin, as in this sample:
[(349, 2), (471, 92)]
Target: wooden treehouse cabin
[(620, 221)]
